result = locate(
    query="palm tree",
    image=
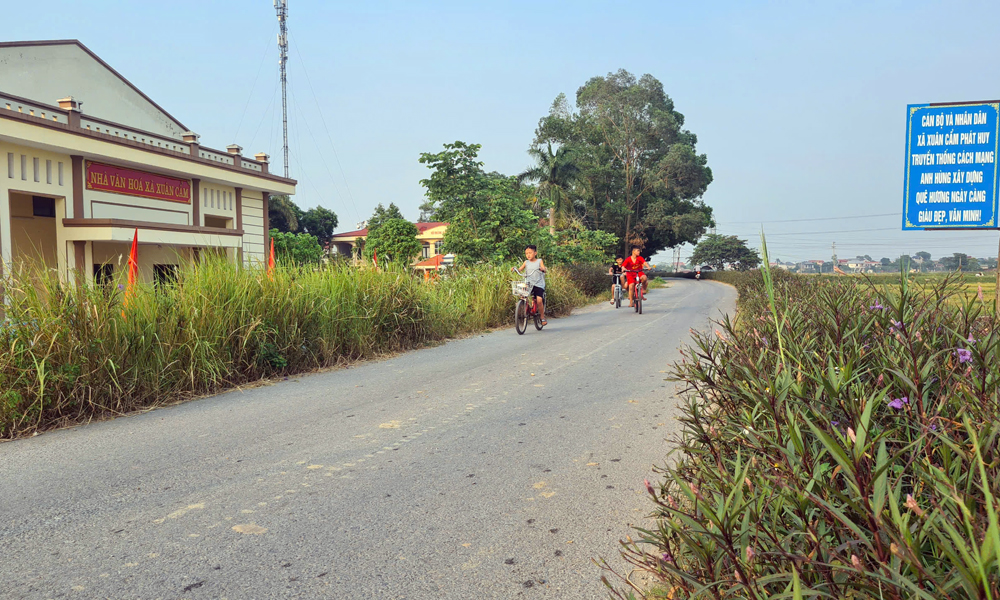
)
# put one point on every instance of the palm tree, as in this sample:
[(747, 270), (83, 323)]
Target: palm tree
[(555, 172)]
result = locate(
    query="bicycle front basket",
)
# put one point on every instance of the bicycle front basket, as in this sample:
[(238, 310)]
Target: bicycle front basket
[(519, 288)]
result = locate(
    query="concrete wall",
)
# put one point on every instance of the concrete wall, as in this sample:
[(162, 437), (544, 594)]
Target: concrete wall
[(254, 251), (105, 205), (218, 201), (14, 179), (48, 73), (33, 239), (149, 255)]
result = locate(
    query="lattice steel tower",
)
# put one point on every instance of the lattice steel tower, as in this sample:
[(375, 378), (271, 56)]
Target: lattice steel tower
[(282, 7)]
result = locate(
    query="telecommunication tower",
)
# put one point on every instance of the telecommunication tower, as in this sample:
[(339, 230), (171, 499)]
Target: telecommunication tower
[(281, 6)]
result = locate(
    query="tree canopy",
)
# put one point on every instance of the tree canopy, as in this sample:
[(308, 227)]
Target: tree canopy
[(488, 213), (296, 248), (718, 251), (640, 175), (283, 214), (394, 240), (959, 261), (382, 214), (320, 222)]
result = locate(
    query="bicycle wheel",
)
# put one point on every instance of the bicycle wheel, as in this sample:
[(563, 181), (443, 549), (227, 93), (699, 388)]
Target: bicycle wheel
[(618, 297), (521, 317), (538, 322), (637, 301), (640, 304)]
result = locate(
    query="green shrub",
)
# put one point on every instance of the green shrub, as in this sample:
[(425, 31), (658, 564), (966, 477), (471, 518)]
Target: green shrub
[(296, 248), (863, 464), (591, 278)]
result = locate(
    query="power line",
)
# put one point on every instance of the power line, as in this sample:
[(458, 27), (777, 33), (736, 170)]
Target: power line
[(333, 180), (835, 231), (814, 219), (333, 146), (253, 87), (264, 116)]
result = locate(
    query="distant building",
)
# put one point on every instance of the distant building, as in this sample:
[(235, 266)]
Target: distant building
[(430, 236), (810, 266), (80, 174), (863, 266)]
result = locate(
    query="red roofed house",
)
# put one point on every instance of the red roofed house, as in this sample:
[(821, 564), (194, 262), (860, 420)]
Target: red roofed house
[(430, 236)]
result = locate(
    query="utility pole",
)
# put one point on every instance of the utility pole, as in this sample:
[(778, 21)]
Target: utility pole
[(281, 6)]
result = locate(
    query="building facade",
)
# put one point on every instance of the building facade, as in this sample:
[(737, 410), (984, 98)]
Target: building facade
[(87, 160), (430, 236)]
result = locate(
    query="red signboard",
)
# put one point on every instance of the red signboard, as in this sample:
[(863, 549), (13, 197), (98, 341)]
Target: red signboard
[(107, 178)]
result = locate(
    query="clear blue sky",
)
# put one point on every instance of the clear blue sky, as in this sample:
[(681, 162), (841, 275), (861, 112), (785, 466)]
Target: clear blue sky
[(799, 106)]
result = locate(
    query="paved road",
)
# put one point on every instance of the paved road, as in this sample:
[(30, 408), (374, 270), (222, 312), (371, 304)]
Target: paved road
[(496, 466)]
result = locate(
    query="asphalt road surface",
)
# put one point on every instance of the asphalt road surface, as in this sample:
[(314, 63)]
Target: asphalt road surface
[(496, 466)]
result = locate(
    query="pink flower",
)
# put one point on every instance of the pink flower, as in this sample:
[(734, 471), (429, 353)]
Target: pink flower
[(850, 434), (750, 553), (899, 402), (649, 487), (856, 561)]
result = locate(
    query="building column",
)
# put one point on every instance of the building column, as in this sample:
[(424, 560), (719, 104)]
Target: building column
[(76, 172), (237, 253), (196, 202), (267, 226)]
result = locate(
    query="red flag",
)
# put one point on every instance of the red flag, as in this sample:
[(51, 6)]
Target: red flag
[(270, 258), (375, 258), (133, 269), (133, 260)]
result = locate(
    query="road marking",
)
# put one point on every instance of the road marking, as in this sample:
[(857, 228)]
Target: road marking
[(249, 529)]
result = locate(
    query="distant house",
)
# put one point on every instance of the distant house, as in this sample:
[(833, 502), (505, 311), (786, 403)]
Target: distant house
[(810, 266), (430, 236), (863, 266)]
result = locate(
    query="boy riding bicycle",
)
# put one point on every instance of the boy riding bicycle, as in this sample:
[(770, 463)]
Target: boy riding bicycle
[(633, 266), (616, 276), (534, 273)]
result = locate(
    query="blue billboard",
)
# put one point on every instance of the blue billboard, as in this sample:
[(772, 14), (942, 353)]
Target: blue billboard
[(951, 166)]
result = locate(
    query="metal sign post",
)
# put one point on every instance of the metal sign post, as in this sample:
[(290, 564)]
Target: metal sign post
[(951, 168)]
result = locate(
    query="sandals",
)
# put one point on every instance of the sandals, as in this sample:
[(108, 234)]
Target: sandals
[(544, 322)]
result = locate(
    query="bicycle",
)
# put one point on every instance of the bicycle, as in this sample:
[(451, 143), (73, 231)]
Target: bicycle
[(617, 295), (637, 294), (525, 306)]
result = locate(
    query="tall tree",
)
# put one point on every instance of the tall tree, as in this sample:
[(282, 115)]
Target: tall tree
[(960, 261), (718, 251), (457, 176), (283, 214), (393, 240), (320, 222), (487, 212), (555, 171), (644, 179), (381, 215)]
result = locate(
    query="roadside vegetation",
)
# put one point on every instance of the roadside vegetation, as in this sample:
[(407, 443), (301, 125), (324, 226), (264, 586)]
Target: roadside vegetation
[(840, 439), (69, 355)]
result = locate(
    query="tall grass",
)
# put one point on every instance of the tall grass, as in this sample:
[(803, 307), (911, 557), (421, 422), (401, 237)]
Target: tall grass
[(68, 354), (865, 465)]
